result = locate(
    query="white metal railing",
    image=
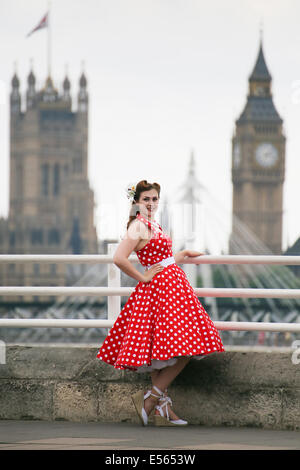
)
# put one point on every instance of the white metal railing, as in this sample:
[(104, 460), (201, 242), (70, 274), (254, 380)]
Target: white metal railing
[(204, 259), (114, 291), (124, 291), (83, 323)]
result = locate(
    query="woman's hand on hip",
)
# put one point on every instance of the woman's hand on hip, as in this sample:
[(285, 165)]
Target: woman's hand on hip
[(150, 273)]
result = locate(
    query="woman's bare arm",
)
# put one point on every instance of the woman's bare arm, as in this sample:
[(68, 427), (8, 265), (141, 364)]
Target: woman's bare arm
[(181, 256), (136, 232)]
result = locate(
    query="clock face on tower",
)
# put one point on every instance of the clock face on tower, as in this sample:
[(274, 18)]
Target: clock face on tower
[(266, 155)]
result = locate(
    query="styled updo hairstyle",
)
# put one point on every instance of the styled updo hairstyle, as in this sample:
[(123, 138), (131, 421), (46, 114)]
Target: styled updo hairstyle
[(140, 187)]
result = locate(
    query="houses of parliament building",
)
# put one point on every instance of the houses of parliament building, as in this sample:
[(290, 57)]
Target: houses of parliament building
[(51, 205)]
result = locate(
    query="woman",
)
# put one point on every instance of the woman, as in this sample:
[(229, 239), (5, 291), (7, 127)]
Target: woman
[(163, 324)]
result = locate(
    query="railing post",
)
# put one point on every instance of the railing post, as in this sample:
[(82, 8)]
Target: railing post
[(113, 280)]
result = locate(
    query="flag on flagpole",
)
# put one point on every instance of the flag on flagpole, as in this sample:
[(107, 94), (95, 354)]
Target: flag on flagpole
[(42, 24)]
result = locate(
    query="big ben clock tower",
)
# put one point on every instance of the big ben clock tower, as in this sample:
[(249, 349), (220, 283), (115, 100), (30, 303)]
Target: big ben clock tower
[(258, 164)]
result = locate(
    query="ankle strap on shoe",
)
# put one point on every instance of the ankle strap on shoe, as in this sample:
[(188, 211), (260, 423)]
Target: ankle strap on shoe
[(153, 394), (165, 401), (158, 390)]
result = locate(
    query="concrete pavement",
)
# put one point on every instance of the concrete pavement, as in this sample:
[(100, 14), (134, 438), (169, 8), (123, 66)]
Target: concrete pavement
[(62, 435)]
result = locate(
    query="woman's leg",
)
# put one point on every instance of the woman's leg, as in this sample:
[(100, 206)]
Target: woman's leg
[(154, 375), (168, 374), (162, 379)]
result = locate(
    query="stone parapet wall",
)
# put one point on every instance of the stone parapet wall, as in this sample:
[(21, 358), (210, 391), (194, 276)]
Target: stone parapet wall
[(258, 389)]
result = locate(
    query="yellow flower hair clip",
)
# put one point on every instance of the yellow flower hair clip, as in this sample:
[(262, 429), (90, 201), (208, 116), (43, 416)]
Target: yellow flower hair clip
[(131, 192)]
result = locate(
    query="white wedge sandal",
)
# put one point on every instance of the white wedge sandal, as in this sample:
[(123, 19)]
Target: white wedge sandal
[(138, 401), (161, 419)]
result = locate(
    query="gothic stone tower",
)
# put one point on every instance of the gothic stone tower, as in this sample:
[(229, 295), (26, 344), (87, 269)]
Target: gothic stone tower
[(51, 206), (258, 165)]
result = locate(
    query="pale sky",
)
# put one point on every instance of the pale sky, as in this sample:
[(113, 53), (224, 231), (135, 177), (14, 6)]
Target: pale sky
[(164, 77)]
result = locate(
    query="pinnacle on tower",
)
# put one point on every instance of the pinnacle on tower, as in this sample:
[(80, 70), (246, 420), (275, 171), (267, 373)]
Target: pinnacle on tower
[(260, 71)]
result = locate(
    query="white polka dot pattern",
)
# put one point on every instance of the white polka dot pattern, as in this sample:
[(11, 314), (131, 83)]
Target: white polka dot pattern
[(161, 320)]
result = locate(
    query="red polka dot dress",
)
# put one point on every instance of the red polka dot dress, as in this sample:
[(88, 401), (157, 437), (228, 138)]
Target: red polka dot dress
[(162, 319)]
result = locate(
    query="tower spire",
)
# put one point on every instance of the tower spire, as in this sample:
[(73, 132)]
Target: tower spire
[(49, 39), (260, 71), (261, 31)]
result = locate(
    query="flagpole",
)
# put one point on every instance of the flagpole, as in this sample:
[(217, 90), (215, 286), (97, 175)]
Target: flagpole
[(49, 40)]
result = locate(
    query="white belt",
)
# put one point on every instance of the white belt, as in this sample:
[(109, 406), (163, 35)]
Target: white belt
[(164, 262)]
